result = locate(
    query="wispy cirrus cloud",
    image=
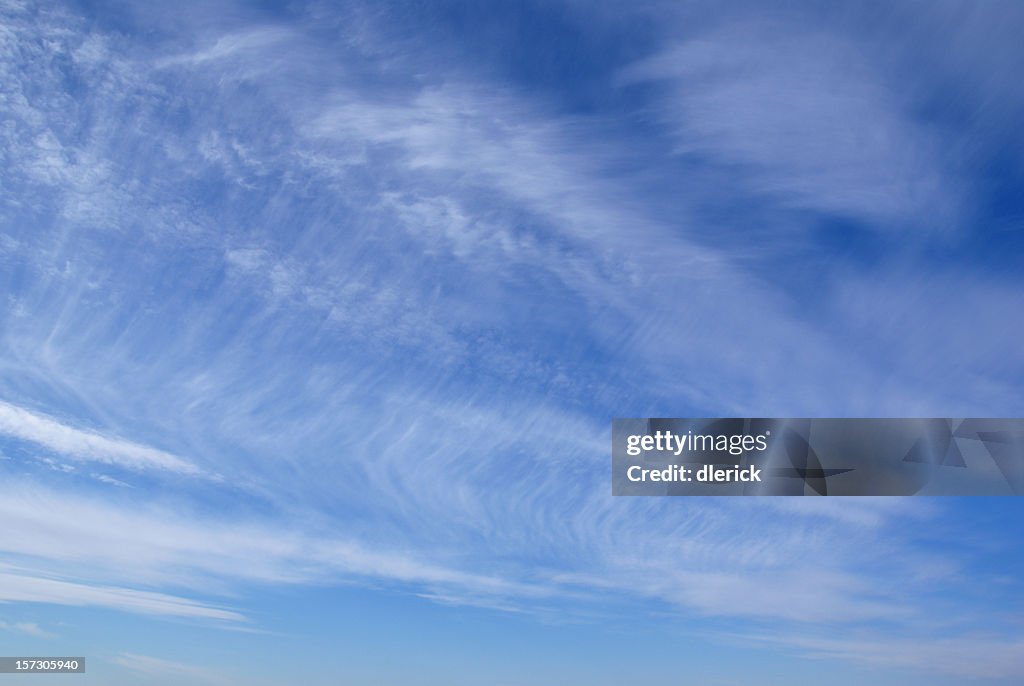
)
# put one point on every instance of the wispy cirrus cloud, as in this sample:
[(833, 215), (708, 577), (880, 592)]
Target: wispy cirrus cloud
[(171, 670), (807, 117), (87, 446), (35, 588), (86, 540), (395, 299), (977, 656), (243, 46), (27, 628)]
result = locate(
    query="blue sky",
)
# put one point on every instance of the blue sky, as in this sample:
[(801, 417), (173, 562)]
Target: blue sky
[(314, 316)]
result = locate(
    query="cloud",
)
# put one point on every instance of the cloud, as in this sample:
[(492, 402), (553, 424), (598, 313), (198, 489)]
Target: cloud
[(970, 656), (19, 587), (243, 45), (28, 628), (87, 446), (95, 540), (109, 480), (722, 549), (862, 511), (159, 668), (396, 303), (806, 116)]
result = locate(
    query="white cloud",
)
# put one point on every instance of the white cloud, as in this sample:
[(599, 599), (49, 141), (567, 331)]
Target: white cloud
[(629, 553), (87, 446), (250, 43), (28, 628), (111, 481), (442, 219), (975, 656), (176, 672), (33, 588), (96, 540), (806, 116), (861, 511)]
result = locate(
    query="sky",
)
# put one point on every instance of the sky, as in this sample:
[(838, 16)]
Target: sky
[(314, 318)]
